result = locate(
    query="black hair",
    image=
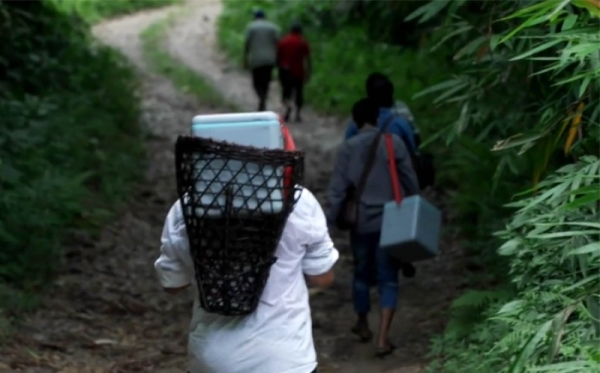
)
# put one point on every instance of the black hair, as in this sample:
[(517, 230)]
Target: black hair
[(383, 94), (259, 14), (365, 111), (373, 79), (380, 89), (296, 28)]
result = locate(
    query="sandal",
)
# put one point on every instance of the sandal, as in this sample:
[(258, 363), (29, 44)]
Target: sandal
[(383, 352), (364, 334)]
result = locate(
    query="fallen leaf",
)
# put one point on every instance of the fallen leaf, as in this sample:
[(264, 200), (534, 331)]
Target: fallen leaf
[(314, 291), (101, 342)]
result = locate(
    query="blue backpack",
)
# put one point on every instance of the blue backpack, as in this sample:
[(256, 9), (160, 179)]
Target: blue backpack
[(423, 161)]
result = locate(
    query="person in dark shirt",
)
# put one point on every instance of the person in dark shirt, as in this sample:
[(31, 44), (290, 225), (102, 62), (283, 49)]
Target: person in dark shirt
[(371, 263), (381, 90), (295, 67)]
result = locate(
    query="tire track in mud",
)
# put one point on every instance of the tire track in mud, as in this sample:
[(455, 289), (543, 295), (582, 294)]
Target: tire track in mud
[(107, 313)]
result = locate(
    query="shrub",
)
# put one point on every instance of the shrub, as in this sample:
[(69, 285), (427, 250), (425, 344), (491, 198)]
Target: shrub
[(69, 141), (526, 75), (551, 323)]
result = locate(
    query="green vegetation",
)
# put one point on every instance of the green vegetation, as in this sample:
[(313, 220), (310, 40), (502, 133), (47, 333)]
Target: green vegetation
[(95, 10), (343, 53), (186, 80), (528, 131), (549, 319), (515, 113), (70, 145)]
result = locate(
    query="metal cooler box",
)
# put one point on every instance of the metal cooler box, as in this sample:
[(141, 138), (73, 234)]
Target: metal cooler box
[(410, 231), (260, 130)]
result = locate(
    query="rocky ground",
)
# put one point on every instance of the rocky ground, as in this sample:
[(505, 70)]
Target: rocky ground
[(107, 313)]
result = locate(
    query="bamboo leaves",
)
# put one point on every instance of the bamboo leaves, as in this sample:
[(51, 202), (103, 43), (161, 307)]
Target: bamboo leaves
[(525, 101), (428, 11), (574, 129)]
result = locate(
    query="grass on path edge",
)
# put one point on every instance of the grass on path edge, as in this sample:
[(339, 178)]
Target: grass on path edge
[(183, 78)]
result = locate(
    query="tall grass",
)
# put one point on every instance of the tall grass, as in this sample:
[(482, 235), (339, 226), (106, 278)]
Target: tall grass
[(95, 10), (184, 78)]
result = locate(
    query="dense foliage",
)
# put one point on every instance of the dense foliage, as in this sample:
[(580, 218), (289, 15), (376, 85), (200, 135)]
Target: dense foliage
[(69, 141), (551, 320), (526, 88)]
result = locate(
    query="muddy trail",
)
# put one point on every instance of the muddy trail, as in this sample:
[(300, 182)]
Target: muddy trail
[(107, 313)]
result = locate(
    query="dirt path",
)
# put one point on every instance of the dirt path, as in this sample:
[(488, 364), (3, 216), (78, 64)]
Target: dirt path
[(106, 313), (423, 301)]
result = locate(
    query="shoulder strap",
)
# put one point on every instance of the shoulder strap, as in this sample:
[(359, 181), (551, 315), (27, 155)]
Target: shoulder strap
[(393, 169), (362, 183)]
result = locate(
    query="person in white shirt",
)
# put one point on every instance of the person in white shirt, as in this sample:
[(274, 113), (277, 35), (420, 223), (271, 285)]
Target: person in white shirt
[(277, 337)]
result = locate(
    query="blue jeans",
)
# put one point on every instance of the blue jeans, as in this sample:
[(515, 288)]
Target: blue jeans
[(372, 266)]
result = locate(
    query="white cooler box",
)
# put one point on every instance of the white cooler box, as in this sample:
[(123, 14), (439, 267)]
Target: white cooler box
[(260, 130)]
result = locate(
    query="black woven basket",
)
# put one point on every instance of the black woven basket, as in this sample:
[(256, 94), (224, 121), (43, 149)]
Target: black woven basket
[(235, 201)]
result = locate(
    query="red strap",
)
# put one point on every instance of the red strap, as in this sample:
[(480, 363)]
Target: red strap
[(393, 170), (288, 144), (288, 139)]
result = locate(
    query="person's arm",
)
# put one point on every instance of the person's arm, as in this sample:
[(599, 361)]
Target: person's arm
[(173, 272), (406, 172), (276, 33), (338, 185), (405, 132), (320, 281), (351, 130), (278, 54), (321, 254), (247, 47)]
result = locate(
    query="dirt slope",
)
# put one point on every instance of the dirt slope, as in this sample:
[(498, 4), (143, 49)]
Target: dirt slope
[(106, 313)]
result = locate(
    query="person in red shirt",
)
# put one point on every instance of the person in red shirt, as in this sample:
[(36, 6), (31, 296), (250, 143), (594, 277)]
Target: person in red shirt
[(295, 67)]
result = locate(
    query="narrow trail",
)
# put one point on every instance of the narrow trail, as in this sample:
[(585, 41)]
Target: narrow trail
[(107, 313)]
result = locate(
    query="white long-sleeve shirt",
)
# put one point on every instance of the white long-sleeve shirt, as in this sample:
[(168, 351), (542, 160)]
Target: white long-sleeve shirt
[(277, 337)]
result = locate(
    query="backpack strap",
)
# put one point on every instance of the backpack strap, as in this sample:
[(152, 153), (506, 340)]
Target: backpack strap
[(362, 183)]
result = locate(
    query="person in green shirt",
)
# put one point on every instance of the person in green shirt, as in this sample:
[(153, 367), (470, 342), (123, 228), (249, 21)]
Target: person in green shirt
[(260, 54)]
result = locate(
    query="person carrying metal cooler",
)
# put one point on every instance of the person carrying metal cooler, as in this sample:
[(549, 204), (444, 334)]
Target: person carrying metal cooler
[(360, 187), (381, 89)]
